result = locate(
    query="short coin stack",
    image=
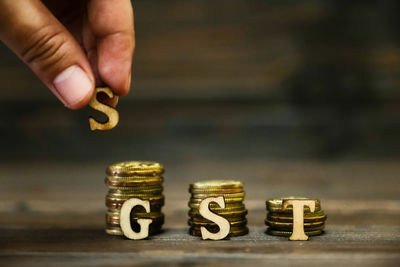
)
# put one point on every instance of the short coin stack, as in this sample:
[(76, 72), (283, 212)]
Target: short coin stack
[(134, 179), (280, 221), (235, 211)]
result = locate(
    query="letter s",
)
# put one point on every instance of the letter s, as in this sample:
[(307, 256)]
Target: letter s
[(111, 113), (223, 224)]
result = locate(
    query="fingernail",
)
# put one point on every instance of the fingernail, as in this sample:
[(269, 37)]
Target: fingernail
[(72, 85)]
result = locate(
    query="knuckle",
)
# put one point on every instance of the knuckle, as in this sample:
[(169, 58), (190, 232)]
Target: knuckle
[(44, 47)]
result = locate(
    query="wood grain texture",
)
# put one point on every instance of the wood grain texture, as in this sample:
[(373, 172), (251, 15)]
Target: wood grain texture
[(48, 219)]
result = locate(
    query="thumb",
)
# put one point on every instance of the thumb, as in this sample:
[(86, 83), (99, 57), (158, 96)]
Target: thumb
[(44, 44)]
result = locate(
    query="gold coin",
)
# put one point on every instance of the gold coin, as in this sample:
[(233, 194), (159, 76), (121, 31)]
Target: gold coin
[(155, 204), (137, 209), (212, 225), (276, 204), (289, 226), (203, 222), (288, 219), (114, 231), (116, 220), (138, 189), (124, 197), (117, 206), (216, 207), (216, 184), (149, 215), (215, 228), (134, 214), (128, 195), (226, 214), (135, 226), (289, 233), (229, 195), (232, 233), (236, 217), (306, 229), (133, 182), (227, 200), (129, 168), (132, 177), (306, 214), (216, 191), (141, 195)]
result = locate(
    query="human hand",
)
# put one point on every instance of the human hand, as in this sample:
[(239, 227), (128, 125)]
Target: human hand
[(72, 45)]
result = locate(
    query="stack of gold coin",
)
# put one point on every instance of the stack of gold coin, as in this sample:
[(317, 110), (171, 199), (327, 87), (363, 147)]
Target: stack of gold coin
[(280, 221), (134, 179), (235, 211)]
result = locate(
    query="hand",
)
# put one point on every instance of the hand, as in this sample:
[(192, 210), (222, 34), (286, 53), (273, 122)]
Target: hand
[(72, 45)]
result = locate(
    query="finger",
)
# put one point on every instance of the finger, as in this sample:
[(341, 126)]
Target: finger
[(43, 43), (90, 45), (111, 22)]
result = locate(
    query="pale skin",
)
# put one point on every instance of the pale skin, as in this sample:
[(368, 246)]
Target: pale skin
[(72, 45)]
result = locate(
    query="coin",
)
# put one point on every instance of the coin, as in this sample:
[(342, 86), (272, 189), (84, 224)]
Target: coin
[(127, 182), (123, 197), (281, 222), (203, 220), (216, 190), (235, 232), (240, 195), (226, 214), (145, 188), (217, 184), (276, 204), (235, 211), (118, 205), (280, 225), (134, 179), (129, 168), (134, 224), (289, 233), (116, 229), (307, 219), (215, 207), (137, 215), (240, 222), (115, 220), (128, 195), (154, 205), (227, 200), (306, 214)]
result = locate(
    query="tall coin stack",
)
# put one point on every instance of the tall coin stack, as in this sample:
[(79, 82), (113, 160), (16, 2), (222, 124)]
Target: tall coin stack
[(134, 179), (235, 211), (281, 222)]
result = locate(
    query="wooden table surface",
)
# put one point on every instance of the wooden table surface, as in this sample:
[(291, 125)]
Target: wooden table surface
[(53, 214), (222, 89)]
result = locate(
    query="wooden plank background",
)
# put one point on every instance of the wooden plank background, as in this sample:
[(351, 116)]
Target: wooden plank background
[(292, 98)]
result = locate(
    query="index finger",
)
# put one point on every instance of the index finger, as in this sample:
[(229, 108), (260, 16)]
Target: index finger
[(111, 22)]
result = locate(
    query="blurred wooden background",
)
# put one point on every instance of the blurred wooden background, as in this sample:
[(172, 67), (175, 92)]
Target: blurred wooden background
[(291, 97), (287, 79)]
